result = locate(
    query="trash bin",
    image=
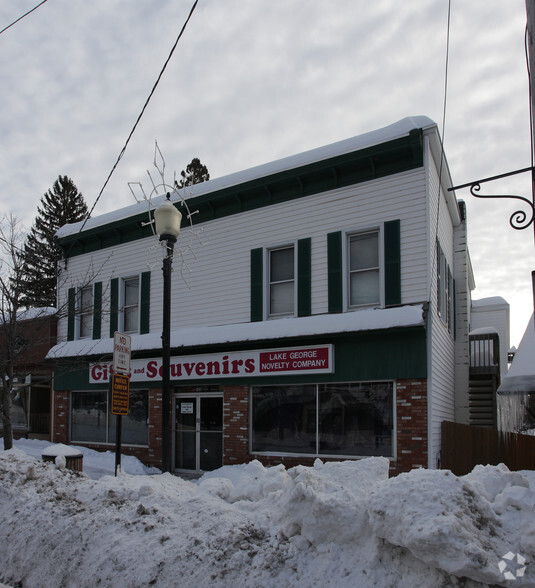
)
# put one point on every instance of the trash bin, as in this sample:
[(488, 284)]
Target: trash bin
[(73, 458)]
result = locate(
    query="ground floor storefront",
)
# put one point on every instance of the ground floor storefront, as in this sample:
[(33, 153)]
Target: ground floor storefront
[(344, 397)]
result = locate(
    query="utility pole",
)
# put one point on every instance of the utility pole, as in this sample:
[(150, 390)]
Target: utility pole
[(530, 40)]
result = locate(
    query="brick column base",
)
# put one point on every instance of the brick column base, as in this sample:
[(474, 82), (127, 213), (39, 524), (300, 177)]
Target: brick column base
[(411, 421), (60, 434), (235, 425)]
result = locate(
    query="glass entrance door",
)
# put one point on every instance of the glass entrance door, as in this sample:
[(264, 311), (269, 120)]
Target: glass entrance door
[(198, 433)]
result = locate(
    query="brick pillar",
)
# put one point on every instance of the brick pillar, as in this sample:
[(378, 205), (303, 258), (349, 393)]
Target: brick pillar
[(155, 427), (411, 420), (61, 417), (235, 425)]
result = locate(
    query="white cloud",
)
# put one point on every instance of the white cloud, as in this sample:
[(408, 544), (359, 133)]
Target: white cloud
[(252, 82)]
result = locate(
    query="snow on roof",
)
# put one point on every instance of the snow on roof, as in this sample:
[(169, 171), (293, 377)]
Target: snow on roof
[(363, 320), (33, 313), (484, 331), (520, 379), (490, 301), (394, 131)]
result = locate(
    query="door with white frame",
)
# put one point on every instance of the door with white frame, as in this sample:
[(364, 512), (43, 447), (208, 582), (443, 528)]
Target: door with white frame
[(198, 429)]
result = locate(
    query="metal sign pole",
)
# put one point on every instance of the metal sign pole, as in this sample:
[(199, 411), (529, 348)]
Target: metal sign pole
[(118, 432)]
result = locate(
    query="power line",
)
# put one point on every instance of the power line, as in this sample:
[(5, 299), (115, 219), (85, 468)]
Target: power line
[(21, 17), (141, 113)]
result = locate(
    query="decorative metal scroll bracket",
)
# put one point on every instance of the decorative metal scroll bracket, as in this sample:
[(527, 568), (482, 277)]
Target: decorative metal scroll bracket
[(519, 219)]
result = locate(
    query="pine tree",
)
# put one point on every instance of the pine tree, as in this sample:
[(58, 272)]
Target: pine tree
[(195, 173), (59, 206)]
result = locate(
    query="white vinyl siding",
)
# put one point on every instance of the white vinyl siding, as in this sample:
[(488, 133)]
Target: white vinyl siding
[(441, 356), (211, 278)]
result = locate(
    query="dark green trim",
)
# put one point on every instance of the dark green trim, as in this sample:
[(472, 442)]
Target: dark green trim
[(335, 272), (257, 284), (114, 306), (97, 310), (388, 354), (378, 161), (304, 277), (144, 315), (71, 313), (392, 249)]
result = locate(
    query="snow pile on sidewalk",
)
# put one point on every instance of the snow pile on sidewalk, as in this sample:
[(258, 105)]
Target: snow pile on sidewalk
[(334, 524)]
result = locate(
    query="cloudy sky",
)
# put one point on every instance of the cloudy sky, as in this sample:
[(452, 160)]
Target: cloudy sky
[(257, 80)]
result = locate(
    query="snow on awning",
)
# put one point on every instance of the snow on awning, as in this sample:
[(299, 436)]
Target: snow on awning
[(325, 324), (520, 379)]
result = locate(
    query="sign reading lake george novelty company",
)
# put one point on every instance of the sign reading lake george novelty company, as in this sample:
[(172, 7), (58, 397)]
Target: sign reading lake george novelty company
[(266, 362)]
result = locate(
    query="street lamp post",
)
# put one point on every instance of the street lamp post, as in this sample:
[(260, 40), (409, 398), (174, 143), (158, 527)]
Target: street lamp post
[(167, 223)]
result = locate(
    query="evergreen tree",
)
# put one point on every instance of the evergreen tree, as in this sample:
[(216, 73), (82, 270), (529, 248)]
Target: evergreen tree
[(61, 205), (195, 173)]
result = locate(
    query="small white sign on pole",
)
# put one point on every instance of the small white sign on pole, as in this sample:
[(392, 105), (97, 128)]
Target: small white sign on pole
[(122, 350)]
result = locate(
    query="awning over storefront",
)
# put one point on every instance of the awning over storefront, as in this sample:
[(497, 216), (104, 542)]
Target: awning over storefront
[(363, 320)]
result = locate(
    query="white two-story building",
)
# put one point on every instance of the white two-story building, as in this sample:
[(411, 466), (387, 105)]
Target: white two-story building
[(320, 308)]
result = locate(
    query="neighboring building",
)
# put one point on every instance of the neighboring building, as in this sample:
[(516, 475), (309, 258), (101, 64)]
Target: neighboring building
[(516, 394), (316, 317), (489, 348), (32, 385)]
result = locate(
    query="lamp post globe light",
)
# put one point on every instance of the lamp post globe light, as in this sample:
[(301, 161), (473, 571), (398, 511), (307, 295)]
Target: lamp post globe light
[(167, 224)]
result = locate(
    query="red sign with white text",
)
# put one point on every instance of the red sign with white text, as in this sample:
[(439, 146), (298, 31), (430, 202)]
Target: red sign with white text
[(270, 362)]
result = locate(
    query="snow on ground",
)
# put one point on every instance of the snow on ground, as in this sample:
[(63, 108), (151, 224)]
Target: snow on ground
[(334, 524)]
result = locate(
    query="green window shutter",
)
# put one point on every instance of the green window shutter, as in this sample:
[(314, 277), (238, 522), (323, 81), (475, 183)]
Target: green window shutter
[(257, 284), (304, 277), (114, 305), (334, 272), (71, 311), (144, 318), (97, 310), (392, 248)]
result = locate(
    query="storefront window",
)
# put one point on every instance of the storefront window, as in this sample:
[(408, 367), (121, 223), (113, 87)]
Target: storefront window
[(284, 419), (353, 419), (356, 419), (135, 427), (88, 416), (92, 421)]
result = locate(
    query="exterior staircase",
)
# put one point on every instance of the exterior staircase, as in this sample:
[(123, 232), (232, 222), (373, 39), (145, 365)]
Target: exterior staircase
[(484, 379)]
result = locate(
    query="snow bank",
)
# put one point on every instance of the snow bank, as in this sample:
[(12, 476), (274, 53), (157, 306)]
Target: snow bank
[(333, 524)]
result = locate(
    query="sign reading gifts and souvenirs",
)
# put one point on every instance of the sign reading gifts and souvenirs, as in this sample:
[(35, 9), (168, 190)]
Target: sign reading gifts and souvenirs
[(269, 362)]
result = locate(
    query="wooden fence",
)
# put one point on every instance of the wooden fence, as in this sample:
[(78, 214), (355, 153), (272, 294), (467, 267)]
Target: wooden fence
[(465, 446)]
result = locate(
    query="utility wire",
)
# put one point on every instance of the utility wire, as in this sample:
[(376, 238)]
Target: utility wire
[(141, 113), (441, 139), (21, 17)]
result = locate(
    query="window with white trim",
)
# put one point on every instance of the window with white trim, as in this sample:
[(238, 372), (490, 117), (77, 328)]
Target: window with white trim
[(130, 304), (364, 269), (85, 312), (281, 270)]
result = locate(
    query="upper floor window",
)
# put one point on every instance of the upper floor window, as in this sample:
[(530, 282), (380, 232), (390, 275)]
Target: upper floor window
[(130, 305), (444, 289), (281, 263), (281, 280), (85, 312), (364, 269)]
